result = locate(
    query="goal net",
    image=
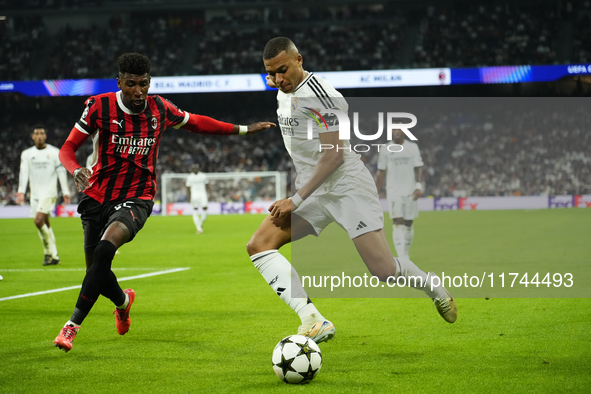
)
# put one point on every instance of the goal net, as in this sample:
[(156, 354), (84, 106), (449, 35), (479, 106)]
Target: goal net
[(228, 192)]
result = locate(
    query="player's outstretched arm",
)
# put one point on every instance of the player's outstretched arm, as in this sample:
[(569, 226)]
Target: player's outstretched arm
[(201, 124), (254, 128)]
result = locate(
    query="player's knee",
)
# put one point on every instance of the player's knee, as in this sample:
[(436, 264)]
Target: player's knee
[(89, 259), (257, 245), (104, 252), (39, 222), (89, 250), (101, 266), (383, 274), (252, 246), (383, 271)]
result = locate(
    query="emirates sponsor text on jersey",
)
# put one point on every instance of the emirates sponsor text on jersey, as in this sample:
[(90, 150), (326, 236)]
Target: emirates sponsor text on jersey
[(133, 145)]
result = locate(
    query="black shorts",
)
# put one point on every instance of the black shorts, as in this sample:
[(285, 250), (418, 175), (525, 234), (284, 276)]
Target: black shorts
[(97, 217)]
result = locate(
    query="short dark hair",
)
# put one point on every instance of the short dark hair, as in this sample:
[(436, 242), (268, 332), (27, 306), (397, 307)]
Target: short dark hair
[(277, 45), (38, 126), (133, 63)]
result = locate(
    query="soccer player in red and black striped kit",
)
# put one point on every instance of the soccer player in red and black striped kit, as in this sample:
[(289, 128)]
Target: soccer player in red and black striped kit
[(126, 128)]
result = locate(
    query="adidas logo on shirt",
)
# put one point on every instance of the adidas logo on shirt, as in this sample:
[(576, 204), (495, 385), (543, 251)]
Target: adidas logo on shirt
[(361, 225)]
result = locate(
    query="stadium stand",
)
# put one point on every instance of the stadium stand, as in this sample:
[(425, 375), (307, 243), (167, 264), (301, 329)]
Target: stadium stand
[(533, 152), (486, 35), (211, 39), (226, 38)]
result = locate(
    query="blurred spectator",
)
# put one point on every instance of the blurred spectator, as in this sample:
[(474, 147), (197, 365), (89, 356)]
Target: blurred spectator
[(582, 34), (490, 151), (488, 35), (338, 37), (20, 43)]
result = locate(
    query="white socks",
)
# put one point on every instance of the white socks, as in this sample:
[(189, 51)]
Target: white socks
[(409, 270), (48, 239), (125, 303), (71, 324), (399, 238), (402, 237), (52, 244), (44, 236), (198, 219), (284, 280), (409, 233)]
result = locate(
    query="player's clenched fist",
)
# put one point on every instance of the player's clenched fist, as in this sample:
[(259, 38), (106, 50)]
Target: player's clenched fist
[(81, 177)]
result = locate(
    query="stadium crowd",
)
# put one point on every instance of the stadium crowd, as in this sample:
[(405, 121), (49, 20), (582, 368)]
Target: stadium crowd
[(337, 37), (461, 155), (19, 46), (582, 34), (488, 35), (492, 152)]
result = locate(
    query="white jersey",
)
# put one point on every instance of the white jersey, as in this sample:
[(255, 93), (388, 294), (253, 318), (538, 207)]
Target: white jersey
[(400, 168), (197, 184), (42, 168), (305, 152)]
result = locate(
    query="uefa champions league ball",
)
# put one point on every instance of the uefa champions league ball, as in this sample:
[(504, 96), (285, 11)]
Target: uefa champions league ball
[(296, 359)]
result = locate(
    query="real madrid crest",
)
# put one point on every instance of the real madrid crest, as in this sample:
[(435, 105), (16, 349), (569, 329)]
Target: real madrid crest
[(154, 123), (294, 103)]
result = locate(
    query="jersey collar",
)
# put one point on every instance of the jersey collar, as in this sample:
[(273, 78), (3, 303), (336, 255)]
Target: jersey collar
[(127, 110), (304, 81)]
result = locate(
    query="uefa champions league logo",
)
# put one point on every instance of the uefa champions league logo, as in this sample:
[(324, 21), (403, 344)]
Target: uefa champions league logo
[(332, 117)]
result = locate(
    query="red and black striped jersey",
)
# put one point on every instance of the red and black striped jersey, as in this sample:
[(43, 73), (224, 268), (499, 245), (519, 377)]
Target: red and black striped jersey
[(126, 144)]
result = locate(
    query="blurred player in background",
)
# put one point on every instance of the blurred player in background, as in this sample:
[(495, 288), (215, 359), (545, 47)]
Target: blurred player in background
[(41, 168), (332, 186), (197, 183), (403, 188), (125, 128)]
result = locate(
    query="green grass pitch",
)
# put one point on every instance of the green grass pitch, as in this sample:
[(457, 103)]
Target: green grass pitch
[(214, 327)]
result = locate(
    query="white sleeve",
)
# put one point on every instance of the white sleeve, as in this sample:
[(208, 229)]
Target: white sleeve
[(188, 181), (418, 160), (62, 175), (383, 158), (23, 178)]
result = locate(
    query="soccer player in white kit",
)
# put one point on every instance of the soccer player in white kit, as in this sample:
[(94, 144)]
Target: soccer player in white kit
[(41, 168), (402, 171), (197, 182), (333, 185)]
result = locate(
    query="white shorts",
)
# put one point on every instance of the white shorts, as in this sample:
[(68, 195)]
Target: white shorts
[(354, 206), (199, 201), (44, 205), (403, 207)]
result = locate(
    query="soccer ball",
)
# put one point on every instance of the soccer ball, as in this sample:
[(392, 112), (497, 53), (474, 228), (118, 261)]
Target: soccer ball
[(296, 359)]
